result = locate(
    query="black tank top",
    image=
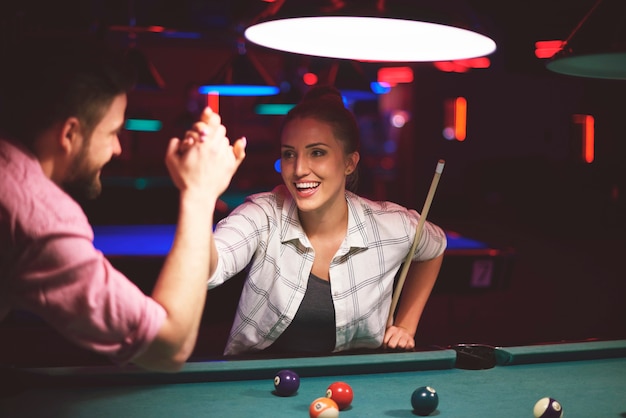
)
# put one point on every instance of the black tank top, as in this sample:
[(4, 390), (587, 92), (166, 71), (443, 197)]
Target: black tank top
[(313, 328)]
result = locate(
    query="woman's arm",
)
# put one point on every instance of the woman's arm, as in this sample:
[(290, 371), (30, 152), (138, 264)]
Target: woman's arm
[(418, 286)]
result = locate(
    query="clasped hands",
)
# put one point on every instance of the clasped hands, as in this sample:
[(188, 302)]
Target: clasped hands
[(204, 159)]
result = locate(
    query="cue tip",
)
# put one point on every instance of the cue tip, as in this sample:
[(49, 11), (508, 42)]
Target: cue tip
[(440, 165)]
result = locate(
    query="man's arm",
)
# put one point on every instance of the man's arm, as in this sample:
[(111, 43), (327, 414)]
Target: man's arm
[(202, 171)]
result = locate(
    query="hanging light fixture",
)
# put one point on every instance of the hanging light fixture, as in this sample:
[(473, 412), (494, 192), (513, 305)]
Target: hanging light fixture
[(279, 104), (596, 48), (147, 76), (241, 75), (351, 78), (293, 83), (387, 31)]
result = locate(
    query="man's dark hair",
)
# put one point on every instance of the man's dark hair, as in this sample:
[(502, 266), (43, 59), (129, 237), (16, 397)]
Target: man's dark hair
[(45, 81)]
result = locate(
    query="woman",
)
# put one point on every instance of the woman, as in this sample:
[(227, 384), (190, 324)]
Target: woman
[(322, 260)]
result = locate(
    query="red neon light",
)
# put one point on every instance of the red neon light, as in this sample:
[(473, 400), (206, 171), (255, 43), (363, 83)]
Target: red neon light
[(455, 119), (589, 139), (587, 123), (481, 62), (460, 118), (309, 79), (395, 75), (156, 29), (213, 101), (445, 66), (462, 66), (547, 49)]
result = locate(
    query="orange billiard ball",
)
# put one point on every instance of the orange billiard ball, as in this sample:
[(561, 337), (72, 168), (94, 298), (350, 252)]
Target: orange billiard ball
[(341, 393), (323, 408)]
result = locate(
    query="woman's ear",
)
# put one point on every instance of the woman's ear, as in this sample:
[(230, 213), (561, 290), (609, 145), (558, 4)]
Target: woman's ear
[(351, 162)]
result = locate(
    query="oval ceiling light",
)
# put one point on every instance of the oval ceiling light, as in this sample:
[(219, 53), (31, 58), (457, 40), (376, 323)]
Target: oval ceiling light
[(370, 39), (609, 65), (596, 48)]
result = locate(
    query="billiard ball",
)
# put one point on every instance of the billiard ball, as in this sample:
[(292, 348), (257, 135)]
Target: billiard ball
[(323, 408), (548, 408), (341, 393), (286, 382), (424, 400)]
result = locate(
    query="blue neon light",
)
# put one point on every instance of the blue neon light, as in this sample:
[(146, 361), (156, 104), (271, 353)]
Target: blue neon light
[(380, 88), (143, 125), (273, 108), (240, 90), (156, 240)]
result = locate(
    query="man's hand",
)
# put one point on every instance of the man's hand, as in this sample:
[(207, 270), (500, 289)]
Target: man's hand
[(204, 160)]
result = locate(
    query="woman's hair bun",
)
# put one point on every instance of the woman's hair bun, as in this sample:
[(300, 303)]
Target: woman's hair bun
[(323, 92)]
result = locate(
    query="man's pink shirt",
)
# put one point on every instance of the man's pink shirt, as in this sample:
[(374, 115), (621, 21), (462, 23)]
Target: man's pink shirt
[(49, 266)]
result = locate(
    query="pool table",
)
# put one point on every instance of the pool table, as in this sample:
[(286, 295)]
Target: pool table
[(470, 265), (156, 240), (138, 250), (588, 378)]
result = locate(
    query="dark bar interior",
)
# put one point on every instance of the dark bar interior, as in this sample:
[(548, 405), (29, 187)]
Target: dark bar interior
[(536, 222)]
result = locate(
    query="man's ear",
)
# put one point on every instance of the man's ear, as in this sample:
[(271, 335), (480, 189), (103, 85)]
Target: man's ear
[(70, 135)]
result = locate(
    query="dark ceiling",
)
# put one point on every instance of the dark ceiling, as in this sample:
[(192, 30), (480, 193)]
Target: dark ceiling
[(515, 24)]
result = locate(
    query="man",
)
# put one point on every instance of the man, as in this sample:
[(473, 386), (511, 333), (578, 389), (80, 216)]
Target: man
[(61, 110)]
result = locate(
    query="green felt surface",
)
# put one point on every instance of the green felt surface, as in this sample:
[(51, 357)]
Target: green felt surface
[(248, 369), (588, 350), (586, 388)]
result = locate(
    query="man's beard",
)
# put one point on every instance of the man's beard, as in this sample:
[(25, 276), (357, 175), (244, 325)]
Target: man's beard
[(83, 181), (87, 186)]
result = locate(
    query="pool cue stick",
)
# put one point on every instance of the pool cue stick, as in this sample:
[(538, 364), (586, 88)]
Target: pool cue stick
[(418, 233)]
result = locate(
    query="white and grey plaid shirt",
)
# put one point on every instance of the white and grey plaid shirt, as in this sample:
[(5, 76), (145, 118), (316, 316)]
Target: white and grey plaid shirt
[(265, 232)]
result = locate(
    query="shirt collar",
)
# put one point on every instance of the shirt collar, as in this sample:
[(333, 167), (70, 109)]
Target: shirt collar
[(357, 227), (357, 230)]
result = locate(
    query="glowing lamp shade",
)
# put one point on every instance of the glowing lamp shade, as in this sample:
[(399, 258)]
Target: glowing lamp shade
[(596, 48), (608, 65), (370, 39)]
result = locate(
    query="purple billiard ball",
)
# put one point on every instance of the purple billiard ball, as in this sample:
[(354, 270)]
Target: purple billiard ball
[(286, 382), (548, 408), (424, 400)]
